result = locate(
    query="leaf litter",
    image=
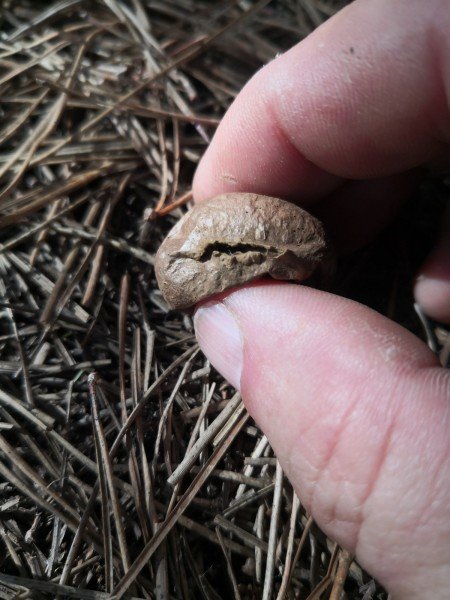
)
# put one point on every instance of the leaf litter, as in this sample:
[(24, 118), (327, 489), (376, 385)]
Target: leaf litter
[(128, 467)]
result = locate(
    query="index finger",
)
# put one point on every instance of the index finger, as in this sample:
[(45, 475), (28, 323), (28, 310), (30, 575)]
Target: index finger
[(364, 96)]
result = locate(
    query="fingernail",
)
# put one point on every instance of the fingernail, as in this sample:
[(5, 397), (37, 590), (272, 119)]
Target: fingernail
[(220, 338)]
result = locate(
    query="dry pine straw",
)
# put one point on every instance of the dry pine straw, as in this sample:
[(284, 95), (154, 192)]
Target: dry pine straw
[(127, 465)]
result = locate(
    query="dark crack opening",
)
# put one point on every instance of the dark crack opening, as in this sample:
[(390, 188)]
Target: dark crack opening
[(224, 248)]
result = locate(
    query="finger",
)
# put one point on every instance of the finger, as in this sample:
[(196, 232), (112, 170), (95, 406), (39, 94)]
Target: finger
[(365, 95), (356, 409), (432, 288)]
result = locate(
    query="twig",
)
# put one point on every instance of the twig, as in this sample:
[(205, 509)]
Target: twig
[(204, 439), (273, 532), (181, 506)]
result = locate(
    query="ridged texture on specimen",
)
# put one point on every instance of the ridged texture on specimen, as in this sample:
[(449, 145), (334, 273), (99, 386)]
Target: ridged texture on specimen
[(236, 238)]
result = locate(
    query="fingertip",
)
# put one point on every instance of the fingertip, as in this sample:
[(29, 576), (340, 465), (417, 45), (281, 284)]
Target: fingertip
[(432, 286), (250, 153), (433, 297)]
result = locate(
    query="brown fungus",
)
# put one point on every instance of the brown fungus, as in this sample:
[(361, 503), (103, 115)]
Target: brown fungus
[(236, 238)]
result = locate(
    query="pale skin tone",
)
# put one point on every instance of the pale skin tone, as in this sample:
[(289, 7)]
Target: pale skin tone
[(356, 408)]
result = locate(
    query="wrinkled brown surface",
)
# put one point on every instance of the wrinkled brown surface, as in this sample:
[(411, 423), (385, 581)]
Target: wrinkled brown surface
[(235, 238)]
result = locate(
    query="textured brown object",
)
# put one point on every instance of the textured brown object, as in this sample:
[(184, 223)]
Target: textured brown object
[(235, 238)]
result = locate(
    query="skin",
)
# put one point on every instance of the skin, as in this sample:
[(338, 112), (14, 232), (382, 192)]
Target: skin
[(356, 408)]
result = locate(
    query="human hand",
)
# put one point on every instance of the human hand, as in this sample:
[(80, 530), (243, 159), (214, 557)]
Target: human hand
[(355, 406)]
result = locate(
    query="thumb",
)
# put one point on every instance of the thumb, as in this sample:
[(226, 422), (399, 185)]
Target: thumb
[(356, 409)]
